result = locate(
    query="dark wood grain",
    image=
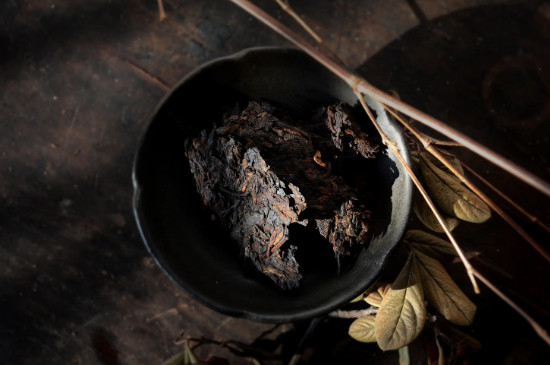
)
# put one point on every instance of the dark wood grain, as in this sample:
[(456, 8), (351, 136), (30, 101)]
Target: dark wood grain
[(78, 83)]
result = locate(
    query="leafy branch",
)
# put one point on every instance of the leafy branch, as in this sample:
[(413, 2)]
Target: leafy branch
[(402, 311), (393, 105)]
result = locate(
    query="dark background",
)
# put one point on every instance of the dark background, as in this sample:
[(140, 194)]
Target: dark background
[(79, 81)]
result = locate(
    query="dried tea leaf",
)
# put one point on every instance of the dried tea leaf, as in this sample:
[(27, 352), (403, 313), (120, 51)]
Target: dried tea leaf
[(453, 197), (260, 174), (374, 298), (442, 292), (428, 218), (429, 244), (363, 329), (402, 313)]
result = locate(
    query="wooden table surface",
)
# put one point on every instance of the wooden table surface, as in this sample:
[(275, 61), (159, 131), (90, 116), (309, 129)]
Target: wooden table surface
[(79, 81)]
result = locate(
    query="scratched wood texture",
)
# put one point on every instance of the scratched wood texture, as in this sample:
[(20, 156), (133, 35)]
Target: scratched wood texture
[(78, 83)]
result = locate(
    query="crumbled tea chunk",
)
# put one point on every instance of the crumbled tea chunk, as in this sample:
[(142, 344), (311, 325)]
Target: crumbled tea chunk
[(259, 174)]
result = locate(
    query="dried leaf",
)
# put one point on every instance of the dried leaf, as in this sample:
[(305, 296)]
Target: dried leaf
[(442, 292), (363, 329), (402, 313), (404, 356), (365, 293), (429, 244), (453, 197), (428, 218), (374, 298), (358, 298), (383, 289)]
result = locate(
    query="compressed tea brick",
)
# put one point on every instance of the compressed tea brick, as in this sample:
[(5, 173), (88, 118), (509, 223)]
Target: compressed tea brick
[(259, 174)]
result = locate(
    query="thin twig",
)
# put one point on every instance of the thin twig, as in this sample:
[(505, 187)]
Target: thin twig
[(519, 208), (447, 143), (353, 313), (162, 14), (435, 152), (364, 87), (395, 150), (284, 4)]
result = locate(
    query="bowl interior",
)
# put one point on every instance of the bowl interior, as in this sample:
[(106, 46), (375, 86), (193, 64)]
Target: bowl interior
[(181, 236)]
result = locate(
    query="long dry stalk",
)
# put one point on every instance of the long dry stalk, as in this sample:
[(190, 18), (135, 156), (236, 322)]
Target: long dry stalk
[(364, 87), (428, 145), (162, 13), (284, 4)]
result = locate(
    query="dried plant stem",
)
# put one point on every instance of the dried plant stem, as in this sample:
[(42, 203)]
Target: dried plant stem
[(364, 87), (353, 313), (395, 150), (519, 208), (435, 152), (284, 4), (162, 14), (538, 328)]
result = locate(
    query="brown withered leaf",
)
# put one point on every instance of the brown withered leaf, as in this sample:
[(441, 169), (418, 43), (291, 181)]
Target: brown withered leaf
[(442, 292), (428, 218), (429, 244), (449, 194), (363, 329), (402, 313)]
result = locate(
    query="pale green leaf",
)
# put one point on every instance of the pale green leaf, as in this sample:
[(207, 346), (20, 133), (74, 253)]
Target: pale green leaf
[(429, 244), (455, 199), (402, 313), (442, 292), (362, 329), (428, 218)]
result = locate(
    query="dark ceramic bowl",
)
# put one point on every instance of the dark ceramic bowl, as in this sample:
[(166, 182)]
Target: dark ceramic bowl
[(182, 237)]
